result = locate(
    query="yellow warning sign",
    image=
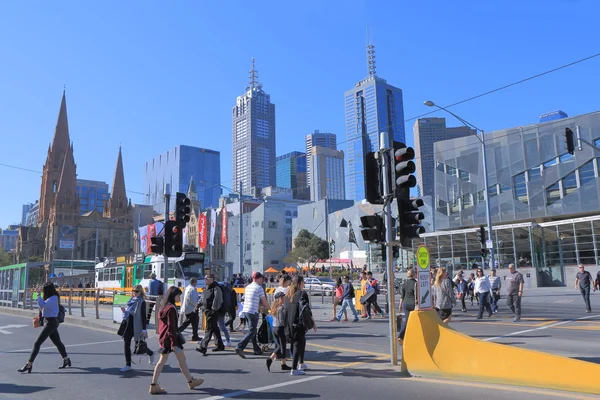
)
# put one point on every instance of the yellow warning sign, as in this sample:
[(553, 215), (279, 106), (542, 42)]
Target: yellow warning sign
[(423, 257)]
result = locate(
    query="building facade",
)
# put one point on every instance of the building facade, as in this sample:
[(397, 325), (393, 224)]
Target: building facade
[(253, 139), (32, 214), (427, 131), (176, 167), (291, 174), (93, 195), (371, 107), (327, 174), (25, 211), (8, 238), (321, 139)]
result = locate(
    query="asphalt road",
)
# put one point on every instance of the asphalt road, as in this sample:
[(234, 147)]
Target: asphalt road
[(346, 360)]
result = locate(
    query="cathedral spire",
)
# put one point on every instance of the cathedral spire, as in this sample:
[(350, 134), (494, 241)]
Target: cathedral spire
[(117, 203), (192, 186), (61, 138), (66, 198)]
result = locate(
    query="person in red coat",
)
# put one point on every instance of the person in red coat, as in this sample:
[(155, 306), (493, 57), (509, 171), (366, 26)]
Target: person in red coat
[(169, 342)]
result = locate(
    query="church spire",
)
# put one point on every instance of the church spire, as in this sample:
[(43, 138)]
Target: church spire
[(192, 186), (61, 139), (65, 200), (117, 203)]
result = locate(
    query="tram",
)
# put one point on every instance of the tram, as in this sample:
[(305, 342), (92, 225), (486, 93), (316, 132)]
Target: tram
[(119, 273)]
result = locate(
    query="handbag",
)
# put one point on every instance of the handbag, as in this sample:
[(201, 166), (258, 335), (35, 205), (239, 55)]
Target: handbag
[(36, 322), (337, 301), (180, 339), (122, 328), (141, 347)]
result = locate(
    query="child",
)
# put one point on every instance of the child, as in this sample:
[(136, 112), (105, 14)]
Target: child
[(242, 324)]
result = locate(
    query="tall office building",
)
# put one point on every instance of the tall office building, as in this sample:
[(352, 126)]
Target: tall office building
[(177, 166), (253, 139), (371, 107), (327, 174), (25, 211), (93, 195), (291, 174), (321, 139), (427, 131)]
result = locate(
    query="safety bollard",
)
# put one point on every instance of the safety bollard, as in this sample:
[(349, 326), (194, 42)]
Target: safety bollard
[(97, 301), (81, 302), (70, 299)]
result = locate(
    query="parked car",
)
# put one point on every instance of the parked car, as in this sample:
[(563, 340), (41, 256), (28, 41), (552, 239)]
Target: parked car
[(319, 285)]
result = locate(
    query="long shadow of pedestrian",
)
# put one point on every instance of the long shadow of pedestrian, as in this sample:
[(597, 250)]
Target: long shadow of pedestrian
[(248, 394), (9, 388)]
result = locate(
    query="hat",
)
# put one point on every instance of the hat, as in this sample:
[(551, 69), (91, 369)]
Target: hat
[(279, 294), (256, 275)]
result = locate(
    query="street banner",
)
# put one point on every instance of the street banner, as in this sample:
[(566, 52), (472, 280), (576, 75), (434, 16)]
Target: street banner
[(184, 234), (213, 226), (202, 232), (151, 233), (351, 236), (66, 237), (224, 238), (143, 235)]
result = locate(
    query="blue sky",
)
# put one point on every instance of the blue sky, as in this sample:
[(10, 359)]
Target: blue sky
[(148, 75)]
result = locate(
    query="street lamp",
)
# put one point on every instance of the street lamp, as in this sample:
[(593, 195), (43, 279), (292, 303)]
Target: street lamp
[(430, 103)]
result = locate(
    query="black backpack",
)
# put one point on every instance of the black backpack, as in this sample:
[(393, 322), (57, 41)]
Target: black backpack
[(61, 314), (305, 317), (226, 292)]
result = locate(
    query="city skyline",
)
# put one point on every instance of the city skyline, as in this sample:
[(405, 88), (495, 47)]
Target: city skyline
[(187, 107)]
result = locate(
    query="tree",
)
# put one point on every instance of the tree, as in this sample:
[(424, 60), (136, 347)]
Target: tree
[(308, 248), (5, 258)]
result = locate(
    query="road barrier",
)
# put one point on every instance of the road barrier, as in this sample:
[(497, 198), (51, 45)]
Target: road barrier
[(432, 349)]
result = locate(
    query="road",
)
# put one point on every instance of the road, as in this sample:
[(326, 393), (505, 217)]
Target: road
[(345, 360)]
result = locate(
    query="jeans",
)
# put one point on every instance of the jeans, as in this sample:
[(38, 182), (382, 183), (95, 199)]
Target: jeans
[(231, 314), (298, 346), (585, 292), (347, 303), (50, 330), (495, 296), (127, 342), (484, 302), (212, 329), (252, 320), (223, 327), (191, 318), (280, 342), (407, 311), (513, 301)]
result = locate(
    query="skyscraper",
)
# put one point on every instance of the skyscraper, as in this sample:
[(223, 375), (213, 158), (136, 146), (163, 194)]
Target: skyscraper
[(320, 139), (93, 195), (327, 174), (253, 139), (177, 166), (371, 107), (25, 211), (291, 174), (426, 132)]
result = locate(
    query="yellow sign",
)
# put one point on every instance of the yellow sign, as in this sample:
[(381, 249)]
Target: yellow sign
[(121, 259), (423, 257)]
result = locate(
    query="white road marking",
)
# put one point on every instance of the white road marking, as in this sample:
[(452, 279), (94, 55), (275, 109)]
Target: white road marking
[(541, 328), (2, 328), (265, 388), (67, 345)]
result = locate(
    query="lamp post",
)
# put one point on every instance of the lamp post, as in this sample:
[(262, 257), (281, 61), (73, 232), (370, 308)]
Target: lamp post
[(430, 103)]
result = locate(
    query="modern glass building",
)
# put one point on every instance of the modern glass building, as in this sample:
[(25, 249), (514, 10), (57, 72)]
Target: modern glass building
[(327, 174), (177, 166), (371, 107), (545, 202), (291, 174), (321, 139), (93, 195)]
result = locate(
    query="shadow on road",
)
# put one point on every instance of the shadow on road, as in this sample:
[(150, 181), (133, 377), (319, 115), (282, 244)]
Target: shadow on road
[(9, 388), (372, 373), (511, 336), (244, 394), (595, 360)]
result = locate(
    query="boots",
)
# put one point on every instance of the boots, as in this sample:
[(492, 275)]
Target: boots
[(66, 363), (26, 368), (156, 389), (195, 382)]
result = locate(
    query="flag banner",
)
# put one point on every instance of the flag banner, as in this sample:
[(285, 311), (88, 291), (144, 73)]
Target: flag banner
[(143, 235), (202, 232), (213, 226), (151, 233), (224, 238), (184, 238), (351, 236)]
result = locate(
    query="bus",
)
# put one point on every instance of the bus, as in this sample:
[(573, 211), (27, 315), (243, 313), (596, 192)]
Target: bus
[(121, 273)]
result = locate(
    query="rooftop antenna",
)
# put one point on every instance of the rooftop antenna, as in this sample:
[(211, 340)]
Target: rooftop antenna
[(254, 77), (370, 54)]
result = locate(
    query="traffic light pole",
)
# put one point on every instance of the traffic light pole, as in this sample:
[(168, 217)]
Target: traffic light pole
[(165, 257), (387, 212)]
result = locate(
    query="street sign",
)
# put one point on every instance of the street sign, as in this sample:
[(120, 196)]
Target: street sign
[(423, 257), (489, 244), (424, 290)]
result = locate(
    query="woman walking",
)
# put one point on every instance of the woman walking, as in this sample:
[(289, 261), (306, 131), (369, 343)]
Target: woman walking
[(49, 302), (461, 289), (168, 339), (482, 289), (407, 301), (296, 299), (278, 314), (134, 313), (443, 294), (337, 300)]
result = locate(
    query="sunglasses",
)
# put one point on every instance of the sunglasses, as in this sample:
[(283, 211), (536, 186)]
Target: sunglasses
[(136, 291)]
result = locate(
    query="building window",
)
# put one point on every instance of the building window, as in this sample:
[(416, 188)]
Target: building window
[(440, 167), (520, 188), (464, 175), (481, 196), (504, 188), (586, 173), (442, 207), (454, 206), (552, 194), (272, 224), (451, 170), (569, 183), (467, 201), (492, 191), (566, 157)]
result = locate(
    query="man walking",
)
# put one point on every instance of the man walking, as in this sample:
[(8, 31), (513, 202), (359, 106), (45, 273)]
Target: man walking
[(496, 284), (584, 283), (373, 285), (347, 298), (254, 297), (213, 300), (189, 309), (155, 288), (514, 291)]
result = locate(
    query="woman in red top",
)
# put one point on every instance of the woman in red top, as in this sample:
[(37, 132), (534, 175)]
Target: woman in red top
[(169, 342)]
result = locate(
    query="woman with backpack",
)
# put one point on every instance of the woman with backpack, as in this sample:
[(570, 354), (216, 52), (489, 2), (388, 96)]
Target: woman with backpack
[(48, 300), (134, 314), (170, 341), (443, 295), (337, 300), (297, 322), (278, 314)]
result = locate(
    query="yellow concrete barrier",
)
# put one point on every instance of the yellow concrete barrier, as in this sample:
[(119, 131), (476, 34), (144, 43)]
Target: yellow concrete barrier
[(434, 350)]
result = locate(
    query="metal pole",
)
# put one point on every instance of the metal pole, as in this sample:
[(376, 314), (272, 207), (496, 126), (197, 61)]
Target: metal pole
[(327, 234), (387, 211), (165, 258), (487, 199), (241, 231), (96, 249), (72, 250)]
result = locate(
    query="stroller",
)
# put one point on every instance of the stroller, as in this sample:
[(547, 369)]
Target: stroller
[(264, 333)]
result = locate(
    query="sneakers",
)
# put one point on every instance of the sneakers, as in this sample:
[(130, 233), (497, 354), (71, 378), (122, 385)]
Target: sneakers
[(517, 319), (337, 319), (286, 367), (201, 350), (368, 317), (356, 320), (302, 367), (195, 382), (295, 372), (126, 368), (156, 389), (227, 343), (151, 359)]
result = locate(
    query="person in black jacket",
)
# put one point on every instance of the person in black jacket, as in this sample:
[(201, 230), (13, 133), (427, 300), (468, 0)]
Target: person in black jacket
[(135, 315), (347, 300), (296, 299), (213, 299)]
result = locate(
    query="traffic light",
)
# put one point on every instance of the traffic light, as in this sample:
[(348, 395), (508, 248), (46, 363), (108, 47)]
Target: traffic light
[(182, 209), (404, 166), (373, 189), (570, 141), (372, 228), (481, 236), (484, 253), (396, 252), (157, 244), (173, 239), (409, 220), (332, 246)]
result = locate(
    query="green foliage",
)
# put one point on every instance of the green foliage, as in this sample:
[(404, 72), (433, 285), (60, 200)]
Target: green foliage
[(5, 258), (308, 247)]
